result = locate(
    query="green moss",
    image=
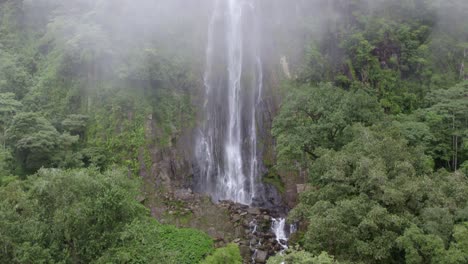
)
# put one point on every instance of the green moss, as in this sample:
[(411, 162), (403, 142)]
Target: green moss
[(274, 179)]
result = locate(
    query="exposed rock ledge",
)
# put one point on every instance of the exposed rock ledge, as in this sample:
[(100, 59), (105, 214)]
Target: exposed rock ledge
[(225, 222)]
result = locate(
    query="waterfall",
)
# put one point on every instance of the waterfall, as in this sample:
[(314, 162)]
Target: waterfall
[(226, 147), (292, 228), (279, 229)]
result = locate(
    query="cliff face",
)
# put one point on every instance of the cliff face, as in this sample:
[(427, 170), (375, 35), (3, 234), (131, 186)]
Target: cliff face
[(283, 182), (168, 172), (172, 174)]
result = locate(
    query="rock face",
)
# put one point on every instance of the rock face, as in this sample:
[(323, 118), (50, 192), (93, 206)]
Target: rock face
[(226, 222), (260, 256), (257, 240), (168, 193)]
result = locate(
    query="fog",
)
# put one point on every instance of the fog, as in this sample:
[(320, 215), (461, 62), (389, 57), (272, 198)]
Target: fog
[(176, 26), (179, 28)]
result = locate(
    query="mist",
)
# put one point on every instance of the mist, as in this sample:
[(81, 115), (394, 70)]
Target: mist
[(259, 131), (182, 25)]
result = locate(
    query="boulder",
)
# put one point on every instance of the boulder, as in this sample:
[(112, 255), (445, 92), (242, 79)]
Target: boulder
[(236, 218), (261, 256), (245, 252), (253, 241), (253, 211)]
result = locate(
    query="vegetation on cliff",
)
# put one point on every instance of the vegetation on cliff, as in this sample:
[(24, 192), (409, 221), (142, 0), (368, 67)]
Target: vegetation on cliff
[(378, 118), (375, 113), (79, 95)]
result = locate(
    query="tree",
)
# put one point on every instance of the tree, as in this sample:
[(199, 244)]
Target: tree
[(448, 118), (8, 108), (441, 127), (313, 117), (33, 140), (14, 78), (302, 257), (5, 167), (36, 143), (377, 199), (84, 216), (75, 124), (420, 247)]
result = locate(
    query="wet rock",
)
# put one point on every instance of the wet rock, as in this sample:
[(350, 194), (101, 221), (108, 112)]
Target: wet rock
[(236, 218), (253, 211), (261, 256), (250, 229), (245, 252)]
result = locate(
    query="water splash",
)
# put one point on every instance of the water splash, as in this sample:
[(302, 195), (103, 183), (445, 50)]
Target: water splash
[(253, 226), (279, 229)]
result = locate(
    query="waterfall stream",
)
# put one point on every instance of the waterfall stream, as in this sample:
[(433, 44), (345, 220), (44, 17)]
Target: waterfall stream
[(226, 148), (279, 229)]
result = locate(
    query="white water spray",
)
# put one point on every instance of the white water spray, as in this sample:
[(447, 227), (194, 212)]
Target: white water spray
[(278, 227)]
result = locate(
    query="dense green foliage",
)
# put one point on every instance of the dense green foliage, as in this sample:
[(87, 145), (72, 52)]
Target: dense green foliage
[(378, 118), (375, 115), (318, 118), (229, 254), (399, 49), (80, 87), (84, 216), (57, 61), (373, 193), (302, 257)]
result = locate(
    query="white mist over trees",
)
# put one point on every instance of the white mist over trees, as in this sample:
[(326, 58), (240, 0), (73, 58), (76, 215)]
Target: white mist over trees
[(120, 118)]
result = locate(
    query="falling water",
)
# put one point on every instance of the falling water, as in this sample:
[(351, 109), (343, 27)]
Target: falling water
[(226, 149), (292, 228), (278, 227)]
